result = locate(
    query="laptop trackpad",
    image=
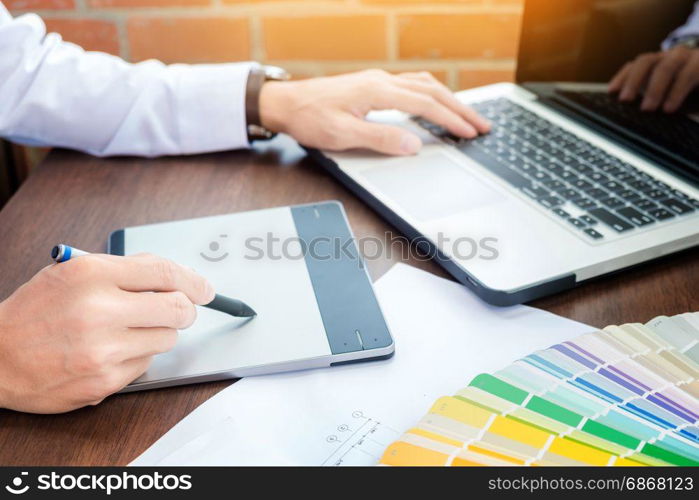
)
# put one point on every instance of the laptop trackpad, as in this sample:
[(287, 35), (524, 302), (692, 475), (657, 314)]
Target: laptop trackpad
[(431, 186)]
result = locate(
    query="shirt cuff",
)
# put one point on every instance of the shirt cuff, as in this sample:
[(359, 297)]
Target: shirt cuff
[(210, 106), (678, 34)]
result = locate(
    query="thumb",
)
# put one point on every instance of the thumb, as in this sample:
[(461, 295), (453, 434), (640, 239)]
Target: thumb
[(382, 138)]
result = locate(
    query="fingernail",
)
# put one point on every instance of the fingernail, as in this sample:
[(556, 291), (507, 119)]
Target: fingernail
[(410, 144), (471, 132), (210, 292), (649, 105)]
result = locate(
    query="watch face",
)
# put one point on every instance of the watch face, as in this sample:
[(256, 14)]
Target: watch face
[(691, 41), (258, 133), (276, 73)]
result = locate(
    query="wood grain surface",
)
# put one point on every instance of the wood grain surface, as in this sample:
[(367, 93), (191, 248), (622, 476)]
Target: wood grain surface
[(78, 199)]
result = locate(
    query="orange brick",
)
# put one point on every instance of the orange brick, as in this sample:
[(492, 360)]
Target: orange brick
[(189, 40), (38, 4), (237, 2), (425, 2), (469, 78), (458, 36), (147, 3), (325, 38), (90, 34)]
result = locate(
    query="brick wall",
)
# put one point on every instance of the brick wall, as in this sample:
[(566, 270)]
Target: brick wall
[(464, 43)]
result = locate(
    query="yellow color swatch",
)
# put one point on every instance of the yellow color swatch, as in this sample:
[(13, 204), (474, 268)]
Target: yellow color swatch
[(519, 431), (462, 411), (577, 451), (405, 454)]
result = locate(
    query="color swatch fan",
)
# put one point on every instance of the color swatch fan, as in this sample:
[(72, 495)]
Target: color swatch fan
[(624, 395)]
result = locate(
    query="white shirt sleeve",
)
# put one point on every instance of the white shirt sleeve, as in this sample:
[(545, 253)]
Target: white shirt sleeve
[(690, 28), (56, 94)]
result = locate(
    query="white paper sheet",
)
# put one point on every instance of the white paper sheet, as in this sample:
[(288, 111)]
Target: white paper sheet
[(347, 415)]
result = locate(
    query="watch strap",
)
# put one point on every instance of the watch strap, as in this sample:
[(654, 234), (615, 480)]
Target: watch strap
[(256, 79)]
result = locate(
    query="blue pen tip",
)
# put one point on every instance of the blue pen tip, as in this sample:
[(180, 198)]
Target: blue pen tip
[(55, 251)]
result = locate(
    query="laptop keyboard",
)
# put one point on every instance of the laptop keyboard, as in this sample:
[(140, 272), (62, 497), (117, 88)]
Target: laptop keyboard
[(674, 132), (571, 178)]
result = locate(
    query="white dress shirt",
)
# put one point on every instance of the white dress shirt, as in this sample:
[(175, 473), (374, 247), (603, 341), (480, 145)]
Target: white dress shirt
[(54, 93), (690, 28)]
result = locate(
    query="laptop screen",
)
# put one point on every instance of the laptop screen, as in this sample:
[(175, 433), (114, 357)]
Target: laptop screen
[(589, 40)]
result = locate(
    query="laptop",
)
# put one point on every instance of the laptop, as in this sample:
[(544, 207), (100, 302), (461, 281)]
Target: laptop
[(569, 185)]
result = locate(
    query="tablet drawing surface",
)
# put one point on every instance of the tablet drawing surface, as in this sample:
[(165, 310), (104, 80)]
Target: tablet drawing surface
[(288, 324)]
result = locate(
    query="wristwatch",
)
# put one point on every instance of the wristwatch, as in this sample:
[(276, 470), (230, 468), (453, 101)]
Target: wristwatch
[(690, 41), (256, 79)]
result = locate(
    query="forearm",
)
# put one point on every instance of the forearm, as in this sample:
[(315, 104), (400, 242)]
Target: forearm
[(56, 94), (5, 384)]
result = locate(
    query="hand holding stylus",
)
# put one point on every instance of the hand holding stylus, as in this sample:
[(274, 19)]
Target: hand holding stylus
[(79, 331), (234, 307)]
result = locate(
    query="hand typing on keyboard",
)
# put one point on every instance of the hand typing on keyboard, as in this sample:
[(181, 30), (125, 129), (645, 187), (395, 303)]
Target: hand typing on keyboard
[(329, 112), (664, 78), (595, 193)]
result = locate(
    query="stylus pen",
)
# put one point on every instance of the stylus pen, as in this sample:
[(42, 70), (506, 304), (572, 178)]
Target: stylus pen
[(62, 253)]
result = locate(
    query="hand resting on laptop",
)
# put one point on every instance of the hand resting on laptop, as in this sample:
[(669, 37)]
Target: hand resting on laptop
[(329, 112)]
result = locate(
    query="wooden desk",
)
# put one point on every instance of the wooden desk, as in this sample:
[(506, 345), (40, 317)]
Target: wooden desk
[(78, 199)]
